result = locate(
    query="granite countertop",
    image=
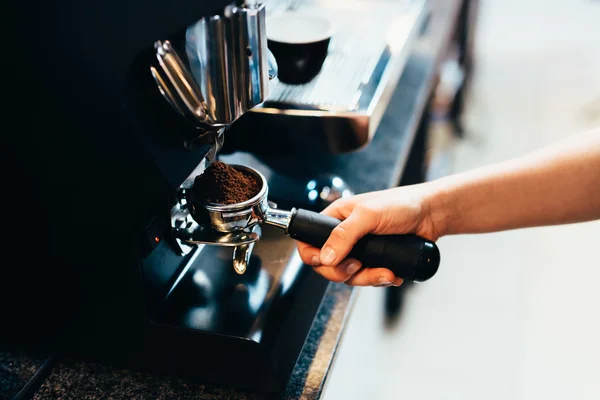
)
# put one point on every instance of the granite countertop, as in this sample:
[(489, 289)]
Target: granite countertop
[(381, 165), (72, 379), (15, 371)]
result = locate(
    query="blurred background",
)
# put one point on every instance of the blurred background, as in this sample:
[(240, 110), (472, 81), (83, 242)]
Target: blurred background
[(501, 320)]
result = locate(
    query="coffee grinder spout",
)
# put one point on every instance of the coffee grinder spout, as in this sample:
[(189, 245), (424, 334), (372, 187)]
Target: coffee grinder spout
[(221, 71)]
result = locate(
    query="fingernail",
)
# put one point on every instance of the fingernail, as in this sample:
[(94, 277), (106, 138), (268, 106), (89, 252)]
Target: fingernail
[(327, 256), (352, 268), (398, 282), (384, 281), (315, 261)]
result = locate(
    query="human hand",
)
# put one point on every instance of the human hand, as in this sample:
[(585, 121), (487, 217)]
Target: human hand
[(403, 210)]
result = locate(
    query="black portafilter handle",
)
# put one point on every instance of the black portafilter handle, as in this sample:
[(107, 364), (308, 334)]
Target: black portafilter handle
[(409, 257)]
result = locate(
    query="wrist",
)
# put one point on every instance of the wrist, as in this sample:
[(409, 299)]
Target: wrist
[(441, 210)]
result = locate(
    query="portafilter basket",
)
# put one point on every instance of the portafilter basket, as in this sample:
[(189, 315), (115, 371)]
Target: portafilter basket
[(409, 257), (229, 218)]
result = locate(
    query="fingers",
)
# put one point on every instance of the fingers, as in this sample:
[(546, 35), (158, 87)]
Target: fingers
[(339, 273), (344, 237), (331, 260), (374, 277), (310, 255), (339, 209), (350, 272)]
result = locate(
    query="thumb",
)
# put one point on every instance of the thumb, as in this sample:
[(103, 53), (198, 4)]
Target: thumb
[(344, 237)]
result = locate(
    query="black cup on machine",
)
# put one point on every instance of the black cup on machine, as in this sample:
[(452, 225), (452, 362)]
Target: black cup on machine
[(300, 43)]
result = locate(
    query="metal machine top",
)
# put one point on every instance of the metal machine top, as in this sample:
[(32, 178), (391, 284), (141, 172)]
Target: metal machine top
[(366, 57)]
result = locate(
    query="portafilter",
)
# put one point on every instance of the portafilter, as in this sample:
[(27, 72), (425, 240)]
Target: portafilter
[(409, 257)]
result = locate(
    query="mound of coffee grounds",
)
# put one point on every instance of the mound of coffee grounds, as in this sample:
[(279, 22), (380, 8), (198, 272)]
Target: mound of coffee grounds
[(223, 184)]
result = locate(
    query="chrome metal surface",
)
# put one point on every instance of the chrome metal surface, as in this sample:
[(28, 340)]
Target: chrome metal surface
[(181, 221), (181, 80), (241, 254), (250, 55), (273, 69), (187, 232), (166, 90), (226, 69), (241, 216), (199, 234), (229, 59), (278, 218), (366, 57)]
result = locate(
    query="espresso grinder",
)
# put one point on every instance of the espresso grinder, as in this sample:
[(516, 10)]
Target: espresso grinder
[(151, 279)]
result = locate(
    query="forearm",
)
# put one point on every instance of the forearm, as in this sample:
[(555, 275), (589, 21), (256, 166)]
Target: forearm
[(558, 184)]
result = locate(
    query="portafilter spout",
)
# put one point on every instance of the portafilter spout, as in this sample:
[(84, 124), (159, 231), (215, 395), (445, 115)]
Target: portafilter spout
[(410, 257)]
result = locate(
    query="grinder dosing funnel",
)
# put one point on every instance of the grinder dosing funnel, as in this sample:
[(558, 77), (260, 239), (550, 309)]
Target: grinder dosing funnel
[(410, 257)]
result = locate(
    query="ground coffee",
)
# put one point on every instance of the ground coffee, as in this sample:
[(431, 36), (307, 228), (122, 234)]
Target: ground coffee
[(223, 184)]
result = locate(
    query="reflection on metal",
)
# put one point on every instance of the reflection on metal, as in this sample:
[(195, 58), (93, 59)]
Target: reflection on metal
[(279, 218), (180, 79), (185, 269), (187, 232), (241, 257), (242, 254), (221, 71), (199, 234), (229, 61)]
